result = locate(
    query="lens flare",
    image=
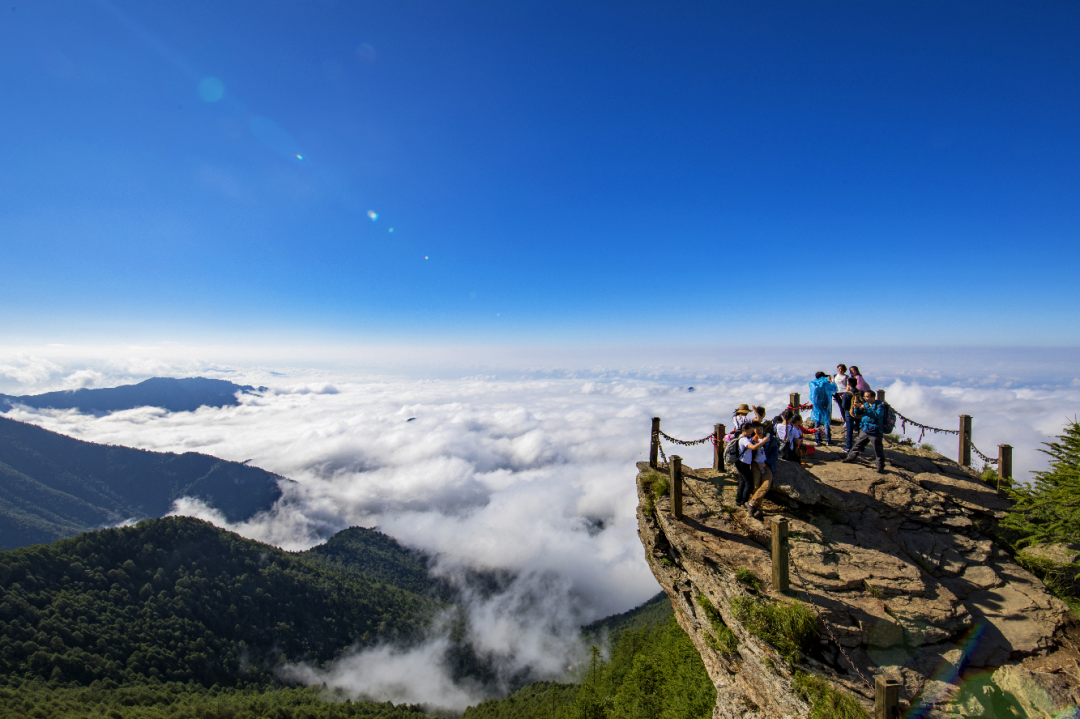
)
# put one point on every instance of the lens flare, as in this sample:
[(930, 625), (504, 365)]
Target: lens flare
[(391, 229), (366, 54), (425, 257), (211, 89), (299, 156), (373, 215)]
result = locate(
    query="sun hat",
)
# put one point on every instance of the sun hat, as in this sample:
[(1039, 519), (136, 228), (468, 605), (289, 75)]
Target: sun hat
[(743, 409)]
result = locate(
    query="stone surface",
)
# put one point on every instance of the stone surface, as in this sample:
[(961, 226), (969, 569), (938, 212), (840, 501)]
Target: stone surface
[(899, 567)]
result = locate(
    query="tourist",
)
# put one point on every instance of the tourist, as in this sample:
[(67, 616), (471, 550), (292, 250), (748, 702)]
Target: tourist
[(850, 419), (861, 383), (822, 390), (743, 462), (788, 435), (761, 470), (840, 380), (739, 418), (759, 413), (872, 412), (802, 449)]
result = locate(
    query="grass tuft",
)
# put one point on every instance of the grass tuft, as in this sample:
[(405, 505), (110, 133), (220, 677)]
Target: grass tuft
[(788, 626), (726, 641), (826, 702), (745, 576)]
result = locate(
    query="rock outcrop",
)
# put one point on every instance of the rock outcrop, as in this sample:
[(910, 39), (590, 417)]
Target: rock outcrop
[(902, 572)]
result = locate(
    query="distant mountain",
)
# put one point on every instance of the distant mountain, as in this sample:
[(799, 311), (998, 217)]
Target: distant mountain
[(175, 395), (54, 486), (177, 599)]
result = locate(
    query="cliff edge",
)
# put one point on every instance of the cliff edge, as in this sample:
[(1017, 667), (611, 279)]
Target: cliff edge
[(893, 574)]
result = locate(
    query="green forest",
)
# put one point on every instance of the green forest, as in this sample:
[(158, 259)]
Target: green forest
[(177, 599), (653, 672)]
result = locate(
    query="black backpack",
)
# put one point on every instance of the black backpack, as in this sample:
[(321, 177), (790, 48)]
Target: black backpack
[(888, 420)]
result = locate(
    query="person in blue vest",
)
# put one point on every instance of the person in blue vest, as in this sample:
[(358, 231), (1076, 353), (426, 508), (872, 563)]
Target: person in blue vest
[(822, 390), (872, 413)]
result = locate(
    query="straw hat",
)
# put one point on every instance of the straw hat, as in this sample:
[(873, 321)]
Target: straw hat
[(743, 409)]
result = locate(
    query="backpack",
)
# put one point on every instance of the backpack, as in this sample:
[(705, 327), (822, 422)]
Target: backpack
[(772, 449), (888, 420), (731, 453)]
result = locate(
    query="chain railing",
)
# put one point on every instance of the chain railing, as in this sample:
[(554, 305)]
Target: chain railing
[(687, 442), (983, 457), (904, 422)]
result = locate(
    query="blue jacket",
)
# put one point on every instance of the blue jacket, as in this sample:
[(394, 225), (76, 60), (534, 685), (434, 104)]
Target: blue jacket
[(821, 391), (872, 417)]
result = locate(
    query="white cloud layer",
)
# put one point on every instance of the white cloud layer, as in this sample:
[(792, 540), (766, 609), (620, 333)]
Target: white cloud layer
[(531, 476)]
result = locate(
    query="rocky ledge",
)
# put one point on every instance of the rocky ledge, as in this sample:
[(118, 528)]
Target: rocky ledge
[(902, 575)]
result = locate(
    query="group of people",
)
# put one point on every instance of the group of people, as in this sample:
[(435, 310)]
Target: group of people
[(755, 443)]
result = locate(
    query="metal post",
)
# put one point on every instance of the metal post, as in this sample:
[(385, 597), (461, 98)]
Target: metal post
[(794, 400), (718, 449), (676, 486), (655, 442), (780, 554), (881, 395), (886, 698), (1004, 463), (965, 440)]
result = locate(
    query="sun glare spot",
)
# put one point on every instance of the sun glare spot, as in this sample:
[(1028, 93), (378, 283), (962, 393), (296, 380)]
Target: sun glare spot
[(211, 89), (299, 156), (391, 229), (373, 215)]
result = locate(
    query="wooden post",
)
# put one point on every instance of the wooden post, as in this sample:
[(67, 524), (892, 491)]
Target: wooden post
[(654, 442), (881, 395), (886, 698), (1004, 463), (794, 400), (676, 486), (718, 449), (780, 554), (965, 440)]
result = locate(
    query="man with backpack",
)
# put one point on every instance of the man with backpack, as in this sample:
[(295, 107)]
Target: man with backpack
[(878, 419), (766, 452)]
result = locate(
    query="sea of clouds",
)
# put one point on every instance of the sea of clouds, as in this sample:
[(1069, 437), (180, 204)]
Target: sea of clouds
[(527, 471)]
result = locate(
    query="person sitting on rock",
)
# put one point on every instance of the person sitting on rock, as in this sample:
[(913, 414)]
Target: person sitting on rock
[(761, 470), (872, 412), (802, 449), (743, 463), (789, 436)]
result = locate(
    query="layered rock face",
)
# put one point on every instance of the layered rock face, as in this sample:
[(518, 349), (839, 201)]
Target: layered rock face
[(903, 575)]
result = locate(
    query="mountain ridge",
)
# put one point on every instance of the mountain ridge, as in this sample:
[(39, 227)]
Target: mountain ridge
[(174, 394), (54, 486)]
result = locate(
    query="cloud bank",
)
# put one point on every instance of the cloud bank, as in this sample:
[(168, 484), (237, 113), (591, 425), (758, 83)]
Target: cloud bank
[(530, 477)]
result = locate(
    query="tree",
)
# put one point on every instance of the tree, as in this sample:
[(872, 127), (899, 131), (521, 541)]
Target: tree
[(1049, 511)]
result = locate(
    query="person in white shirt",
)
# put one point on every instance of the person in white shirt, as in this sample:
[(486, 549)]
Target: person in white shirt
[(788, 435), (761, 473), (744, 462), (740, 417), (840, 380)]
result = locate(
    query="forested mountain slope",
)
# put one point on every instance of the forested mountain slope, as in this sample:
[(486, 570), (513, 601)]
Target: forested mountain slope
[(53, 486), (179, 599), (175, 395)]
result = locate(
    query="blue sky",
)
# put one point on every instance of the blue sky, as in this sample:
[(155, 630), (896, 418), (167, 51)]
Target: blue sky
[(893, 173)]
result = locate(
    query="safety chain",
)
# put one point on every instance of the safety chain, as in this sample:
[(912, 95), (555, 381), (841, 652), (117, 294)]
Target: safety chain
[(904, 422), (801, 407), (686, 443), (661, 448), (983, 457), (824, 621)]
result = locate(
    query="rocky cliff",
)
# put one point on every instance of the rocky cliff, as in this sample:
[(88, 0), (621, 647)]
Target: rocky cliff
[(893, 574)]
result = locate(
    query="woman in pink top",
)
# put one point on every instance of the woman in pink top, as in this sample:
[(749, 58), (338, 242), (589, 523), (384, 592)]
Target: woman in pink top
[(861, 383)]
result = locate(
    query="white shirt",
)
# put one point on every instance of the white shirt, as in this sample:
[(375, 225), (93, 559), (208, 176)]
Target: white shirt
[(788, 434), (746, 455), (739, 420), (841, 383)]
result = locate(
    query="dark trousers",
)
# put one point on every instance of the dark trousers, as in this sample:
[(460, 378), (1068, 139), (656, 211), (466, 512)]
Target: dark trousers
[(850, 422), (746, 482), (841, 399), (865, 439)]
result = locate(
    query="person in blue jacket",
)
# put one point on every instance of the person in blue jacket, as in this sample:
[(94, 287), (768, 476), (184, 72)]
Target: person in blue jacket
[(872, 412), (822, 390)]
